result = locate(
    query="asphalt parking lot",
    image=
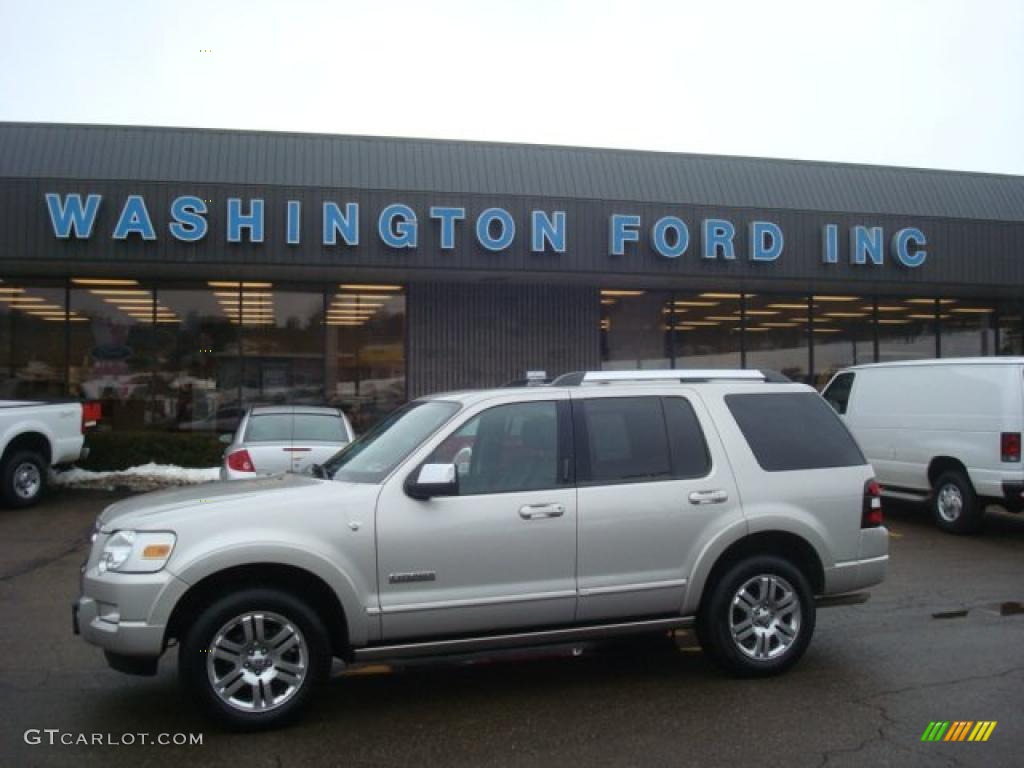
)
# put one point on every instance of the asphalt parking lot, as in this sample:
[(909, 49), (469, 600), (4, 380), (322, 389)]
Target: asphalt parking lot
[(941, 639)]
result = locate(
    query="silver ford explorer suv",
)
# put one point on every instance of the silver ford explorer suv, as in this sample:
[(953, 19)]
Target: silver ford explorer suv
[(482, 521)]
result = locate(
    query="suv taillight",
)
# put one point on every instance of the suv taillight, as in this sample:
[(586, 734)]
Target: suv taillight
[(91, 414), (240, 461), (871, 512), (1009, 446)]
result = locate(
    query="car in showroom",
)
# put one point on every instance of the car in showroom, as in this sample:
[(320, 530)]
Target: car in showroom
[(485, 521)]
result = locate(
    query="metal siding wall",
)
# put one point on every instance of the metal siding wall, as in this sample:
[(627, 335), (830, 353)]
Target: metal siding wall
[(484, 335), (264, 158)]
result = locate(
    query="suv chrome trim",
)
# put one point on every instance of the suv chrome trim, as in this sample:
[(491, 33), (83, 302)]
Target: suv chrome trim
[(696, 374), (519, 639)]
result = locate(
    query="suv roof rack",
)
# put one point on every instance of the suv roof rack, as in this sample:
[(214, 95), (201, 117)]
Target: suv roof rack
[(576, 378)]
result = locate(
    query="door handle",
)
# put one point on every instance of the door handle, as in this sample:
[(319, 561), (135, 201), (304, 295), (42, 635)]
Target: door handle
[(708, 497), (537, 511)]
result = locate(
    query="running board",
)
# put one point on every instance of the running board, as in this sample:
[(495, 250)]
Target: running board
[(850, 598), (519, 639), (904, 495)]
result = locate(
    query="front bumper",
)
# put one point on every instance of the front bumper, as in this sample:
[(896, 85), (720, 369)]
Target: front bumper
[(126, 614)]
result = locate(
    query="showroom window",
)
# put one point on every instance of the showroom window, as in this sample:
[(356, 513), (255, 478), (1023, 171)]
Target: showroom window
[(1011, 328), (777, 333), (32, 339), (365, 341), (968, 329), (907, 328), (282, 344), (112, 351), (635, 329), (844, 334), (197, 382), (706, 330)]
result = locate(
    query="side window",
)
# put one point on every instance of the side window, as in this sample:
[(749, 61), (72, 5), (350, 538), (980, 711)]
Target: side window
[(690, 457), (837, 394), (794, 430), (505, 449), (621, 440)]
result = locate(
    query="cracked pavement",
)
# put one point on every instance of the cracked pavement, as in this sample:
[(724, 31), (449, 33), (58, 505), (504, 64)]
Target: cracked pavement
[(874, 677)]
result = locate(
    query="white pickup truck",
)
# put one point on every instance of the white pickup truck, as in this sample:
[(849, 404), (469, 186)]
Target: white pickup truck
[(35, 436)]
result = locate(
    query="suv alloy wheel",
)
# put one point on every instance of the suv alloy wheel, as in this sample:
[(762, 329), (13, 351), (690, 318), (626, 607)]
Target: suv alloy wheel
[(252, 659), (759, 617)]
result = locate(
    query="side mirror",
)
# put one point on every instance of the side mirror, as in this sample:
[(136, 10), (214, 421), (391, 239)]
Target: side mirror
[(433, 480), (226, 438)]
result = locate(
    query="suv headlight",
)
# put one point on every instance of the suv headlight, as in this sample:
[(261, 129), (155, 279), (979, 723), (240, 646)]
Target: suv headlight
[(136, 551)]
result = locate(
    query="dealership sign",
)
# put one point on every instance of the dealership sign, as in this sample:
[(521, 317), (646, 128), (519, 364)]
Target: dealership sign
[(398, 226)]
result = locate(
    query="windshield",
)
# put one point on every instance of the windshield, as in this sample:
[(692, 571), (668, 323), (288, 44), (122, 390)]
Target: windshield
[(372, 456)]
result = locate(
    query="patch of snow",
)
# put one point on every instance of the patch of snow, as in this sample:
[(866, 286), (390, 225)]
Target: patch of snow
[(141, 478)]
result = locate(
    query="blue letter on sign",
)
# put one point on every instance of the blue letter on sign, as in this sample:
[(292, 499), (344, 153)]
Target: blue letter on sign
[(718, 235), (402, 234), (346, 225), (483, 229), (71, 216), (901, 252), (447, 216), (253, 221), (545, 231), (623, 230), (765, 241), (189, 224), (134, 219), (680, 240), (867, 243), (830, 244)]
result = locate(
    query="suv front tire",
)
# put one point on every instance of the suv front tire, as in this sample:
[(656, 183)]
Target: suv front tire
[(254, 658)]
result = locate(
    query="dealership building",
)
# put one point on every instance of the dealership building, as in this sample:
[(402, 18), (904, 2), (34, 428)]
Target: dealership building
[(179, 274)]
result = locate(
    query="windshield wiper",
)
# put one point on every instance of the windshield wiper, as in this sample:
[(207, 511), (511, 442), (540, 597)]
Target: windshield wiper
[(318, 471)]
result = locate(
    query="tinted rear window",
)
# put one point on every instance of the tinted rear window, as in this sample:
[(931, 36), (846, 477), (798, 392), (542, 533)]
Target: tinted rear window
[(269, 428), (624, 441), (794, 430), (319, 428)]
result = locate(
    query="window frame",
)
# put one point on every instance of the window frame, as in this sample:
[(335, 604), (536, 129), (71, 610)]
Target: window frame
[(582, 444)]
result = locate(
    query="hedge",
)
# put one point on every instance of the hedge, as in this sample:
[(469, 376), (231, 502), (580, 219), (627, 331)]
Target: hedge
[(115, 449)]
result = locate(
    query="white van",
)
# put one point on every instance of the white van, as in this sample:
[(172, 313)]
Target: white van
[(948, 431)]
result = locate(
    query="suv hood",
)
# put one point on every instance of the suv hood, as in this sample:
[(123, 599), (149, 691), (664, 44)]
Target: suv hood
[(147, 505)]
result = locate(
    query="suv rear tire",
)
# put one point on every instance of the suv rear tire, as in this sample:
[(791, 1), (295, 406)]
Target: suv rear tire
[(24, 476), (954, 504), (759, 617), (254, 658)]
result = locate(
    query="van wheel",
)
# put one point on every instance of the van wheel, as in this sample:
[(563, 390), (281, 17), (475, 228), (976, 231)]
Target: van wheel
[(253, 659), (955, 505), (24, 479), (759, 618)]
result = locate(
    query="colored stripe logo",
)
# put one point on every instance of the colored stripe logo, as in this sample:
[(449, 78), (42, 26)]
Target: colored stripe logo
[(959, 730)]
